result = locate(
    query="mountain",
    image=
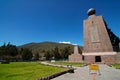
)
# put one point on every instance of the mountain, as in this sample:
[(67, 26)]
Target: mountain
[(42, 47)]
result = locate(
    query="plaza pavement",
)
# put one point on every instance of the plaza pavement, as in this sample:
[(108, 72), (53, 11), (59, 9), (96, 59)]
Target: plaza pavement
[(82, 73)]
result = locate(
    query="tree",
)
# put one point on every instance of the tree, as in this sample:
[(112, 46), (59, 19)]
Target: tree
[(8, 52), (56, 53), (36, 56), (26, 54), (66, 52), (11, 50), (47, 55), (80, 50), (3, 50)]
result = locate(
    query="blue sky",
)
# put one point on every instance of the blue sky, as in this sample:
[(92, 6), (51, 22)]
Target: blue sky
[(25, 21)]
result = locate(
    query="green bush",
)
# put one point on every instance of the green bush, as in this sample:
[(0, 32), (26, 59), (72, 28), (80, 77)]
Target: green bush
[(116, 66)]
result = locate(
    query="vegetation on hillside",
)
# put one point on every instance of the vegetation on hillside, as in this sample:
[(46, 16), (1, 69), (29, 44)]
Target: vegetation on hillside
[(51, 50), (11, 52), (46, 46), (58, 54), (36, 51)]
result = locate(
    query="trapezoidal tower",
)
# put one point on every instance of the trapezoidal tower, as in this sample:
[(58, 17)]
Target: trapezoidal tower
[(97, 43)]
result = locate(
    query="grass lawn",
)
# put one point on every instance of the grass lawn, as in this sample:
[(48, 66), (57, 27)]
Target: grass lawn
[(26, 71), (69, 63), (116, 66)]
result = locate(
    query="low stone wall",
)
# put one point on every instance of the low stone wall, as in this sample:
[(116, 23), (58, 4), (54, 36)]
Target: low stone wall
[(70, 70), (56, 75)]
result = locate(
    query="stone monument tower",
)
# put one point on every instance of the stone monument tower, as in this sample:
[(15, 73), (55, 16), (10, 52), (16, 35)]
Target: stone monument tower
[(76, 56), (98, 45)]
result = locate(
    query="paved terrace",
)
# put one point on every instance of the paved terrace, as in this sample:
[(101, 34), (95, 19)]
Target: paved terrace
[(82, 73)]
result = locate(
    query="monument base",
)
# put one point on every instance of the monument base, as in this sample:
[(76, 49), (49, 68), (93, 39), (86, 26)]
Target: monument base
[(118, 57), (75, 58), (101, 57)]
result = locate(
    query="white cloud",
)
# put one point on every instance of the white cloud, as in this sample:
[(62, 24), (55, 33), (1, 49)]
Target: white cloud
[(67, 42), (74, 44)]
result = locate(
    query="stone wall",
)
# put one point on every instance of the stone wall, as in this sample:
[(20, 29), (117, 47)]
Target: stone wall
[(118, 57), (75, 58), (89, 59), (109, 59), (105, 59)]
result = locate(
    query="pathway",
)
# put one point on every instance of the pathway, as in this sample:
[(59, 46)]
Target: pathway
[(82, 73)]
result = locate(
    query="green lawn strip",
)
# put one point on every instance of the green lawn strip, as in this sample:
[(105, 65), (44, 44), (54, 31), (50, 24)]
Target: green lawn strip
[(117, 66), (26, 71), (69, 63)]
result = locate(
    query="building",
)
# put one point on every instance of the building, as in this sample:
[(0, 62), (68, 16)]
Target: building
[(100, 43)]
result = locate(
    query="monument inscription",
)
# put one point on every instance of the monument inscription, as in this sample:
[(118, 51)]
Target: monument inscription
[(94, 34)]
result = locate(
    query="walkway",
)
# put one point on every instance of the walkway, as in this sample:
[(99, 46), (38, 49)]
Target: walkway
[(82, 73)]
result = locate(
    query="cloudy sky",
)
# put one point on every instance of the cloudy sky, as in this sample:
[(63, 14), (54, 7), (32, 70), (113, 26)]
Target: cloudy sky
[(25, 21)]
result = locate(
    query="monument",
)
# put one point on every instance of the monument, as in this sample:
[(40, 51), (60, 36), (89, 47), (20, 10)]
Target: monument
[(100, 43), (76, 56)]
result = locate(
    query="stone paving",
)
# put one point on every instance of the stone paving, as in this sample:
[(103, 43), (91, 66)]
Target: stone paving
[(82, 73)]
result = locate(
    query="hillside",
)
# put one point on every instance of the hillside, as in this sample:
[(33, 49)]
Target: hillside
[(45, 46)]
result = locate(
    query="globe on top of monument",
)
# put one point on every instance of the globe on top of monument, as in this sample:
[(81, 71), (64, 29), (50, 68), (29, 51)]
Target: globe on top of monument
[(91, 11)]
